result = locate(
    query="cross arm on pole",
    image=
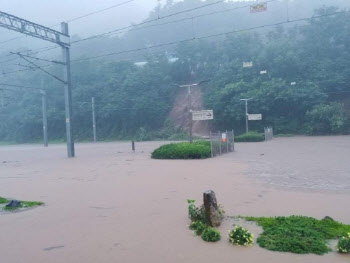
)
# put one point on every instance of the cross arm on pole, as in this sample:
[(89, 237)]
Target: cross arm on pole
[(32, 29)]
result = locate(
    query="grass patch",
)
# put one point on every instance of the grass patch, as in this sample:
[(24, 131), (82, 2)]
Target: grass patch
[(3, 200), (298, 234), (24, 204), (184, 150), (251, 136)]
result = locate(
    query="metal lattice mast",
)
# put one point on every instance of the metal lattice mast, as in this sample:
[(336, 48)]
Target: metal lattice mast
[(60, 38)]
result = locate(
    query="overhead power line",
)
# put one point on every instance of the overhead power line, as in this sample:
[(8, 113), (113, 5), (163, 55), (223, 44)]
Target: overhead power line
[(17, 86)]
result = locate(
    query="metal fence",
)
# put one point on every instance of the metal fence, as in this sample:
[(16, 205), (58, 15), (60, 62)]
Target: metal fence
[(268, 133), (222, 142)]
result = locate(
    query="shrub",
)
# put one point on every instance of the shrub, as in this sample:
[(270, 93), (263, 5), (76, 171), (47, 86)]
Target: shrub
[(211, 235), (198, 227), (240, 236), (325, 119), (298, 234), (250, 137), (185, 150), (344, 244), (3, 200), (196, 213)]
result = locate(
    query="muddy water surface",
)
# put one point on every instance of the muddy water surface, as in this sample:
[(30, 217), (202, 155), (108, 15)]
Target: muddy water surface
[(111, 205)]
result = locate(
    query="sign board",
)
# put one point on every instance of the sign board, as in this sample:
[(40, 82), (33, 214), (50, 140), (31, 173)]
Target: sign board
[(263, 72), (202, 115), (254, 117), (223, 137), (247, 64), (258, 8)]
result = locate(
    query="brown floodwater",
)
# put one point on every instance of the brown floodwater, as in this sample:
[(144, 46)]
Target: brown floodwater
[(111, 205)]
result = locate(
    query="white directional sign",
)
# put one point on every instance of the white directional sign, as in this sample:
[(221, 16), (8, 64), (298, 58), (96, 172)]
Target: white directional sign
[(202, 115), (247, 64), (254, 117)]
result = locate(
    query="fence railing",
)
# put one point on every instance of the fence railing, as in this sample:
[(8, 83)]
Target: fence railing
[(268, 133), (222, 142)]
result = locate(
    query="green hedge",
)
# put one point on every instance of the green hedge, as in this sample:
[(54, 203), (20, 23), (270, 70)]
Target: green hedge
[(184, 150), (250, 137)]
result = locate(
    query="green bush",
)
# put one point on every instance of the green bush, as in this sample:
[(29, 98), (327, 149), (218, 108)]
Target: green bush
[(196, 213), (240, 236), (184, 150), (344, 244), (198, 227), (211, 235), (4, 200), (326, 119), (251, 136), (298, 234)]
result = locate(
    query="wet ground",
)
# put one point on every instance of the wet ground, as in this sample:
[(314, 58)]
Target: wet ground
[(111, 205)]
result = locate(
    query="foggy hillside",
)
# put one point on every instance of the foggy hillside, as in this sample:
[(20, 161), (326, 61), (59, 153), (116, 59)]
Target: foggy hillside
[(186, 42)]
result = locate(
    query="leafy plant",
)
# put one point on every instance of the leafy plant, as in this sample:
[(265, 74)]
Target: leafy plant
[(198, 227), (251, 136), (326, 119), (240, 236), (211, 235), (3, 200), (185, 150), (196, 213), (344, 244), (24, 204), (298, 234)]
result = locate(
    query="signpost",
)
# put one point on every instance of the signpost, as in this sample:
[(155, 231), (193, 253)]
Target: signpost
[(202, 115), (258, 8), (254, 117), (247, 64)]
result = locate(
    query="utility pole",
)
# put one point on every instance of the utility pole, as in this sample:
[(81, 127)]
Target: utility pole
[(93, 118), (189, 105), (67, 93), (44, 109), (246, 114)]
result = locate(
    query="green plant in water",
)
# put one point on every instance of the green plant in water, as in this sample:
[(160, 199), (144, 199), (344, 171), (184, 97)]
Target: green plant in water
[(211, 235), (240, 236), (3, 200), (298, 234), (198, 227), (24, 204), (344, 244), (196, 213)]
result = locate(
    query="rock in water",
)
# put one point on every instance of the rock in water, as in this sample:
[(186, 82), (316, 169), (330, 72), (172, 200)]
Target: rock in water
[(212, 212), (327, 218), (13, 204)]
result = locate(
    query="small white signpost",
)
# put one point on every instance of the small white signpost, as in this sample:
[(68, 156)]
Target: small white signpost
[(255, 117), (258, 8), (247, 64), (202, 115)]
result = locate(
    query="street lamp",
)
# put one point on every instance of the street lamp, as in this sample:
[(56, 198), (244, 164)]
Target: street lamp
[(246, 113)]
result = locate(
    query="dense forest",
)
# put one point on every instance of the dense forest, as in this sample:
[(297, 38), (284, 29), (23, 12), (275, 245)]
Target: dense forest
[(305, 90)]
